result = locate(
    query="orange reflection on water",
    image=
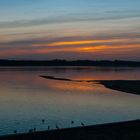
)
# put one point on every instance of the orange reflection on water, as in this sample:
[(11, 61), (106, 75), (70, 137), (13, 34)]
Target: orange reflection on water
[(71, 86)]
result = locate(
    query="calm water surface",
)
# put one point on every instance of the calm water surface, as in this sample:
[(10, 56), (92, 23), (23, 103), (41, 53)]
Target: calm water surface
[(26, 98)]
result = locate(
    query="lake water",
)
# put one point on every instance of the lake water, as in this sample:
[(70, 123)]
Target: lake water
[(26, 98)]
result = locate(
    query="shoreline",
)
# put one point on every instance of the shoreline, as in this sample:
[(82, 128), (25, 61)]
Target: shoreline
[(125, 130), (59, 62), (127, 86)]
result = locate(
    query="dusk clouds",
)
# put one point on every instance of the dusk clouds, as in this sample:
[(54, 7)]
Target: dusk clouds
[(70, 30)]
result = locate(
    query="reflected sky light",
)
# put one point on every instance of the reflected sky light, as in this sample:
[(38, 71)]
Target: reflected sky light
[(26, 98)]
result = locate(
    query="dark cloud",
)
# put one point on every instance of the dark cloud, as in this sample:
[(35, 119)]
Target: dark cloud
[(67, 19)]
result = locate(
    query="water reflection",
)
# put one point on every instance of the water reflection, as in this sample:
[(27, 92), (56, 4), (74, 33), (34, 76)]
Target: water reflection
[(26, 98)]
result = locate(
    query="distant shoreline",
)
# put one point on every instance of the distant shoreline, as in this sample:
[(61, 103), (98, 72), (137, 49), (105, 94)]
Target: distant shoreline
[(111, 131), (102, 63)]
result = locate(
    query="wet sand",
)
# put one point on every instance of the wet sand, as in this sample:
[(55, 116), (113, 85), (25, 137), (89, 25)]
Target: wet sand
[(129, 130)]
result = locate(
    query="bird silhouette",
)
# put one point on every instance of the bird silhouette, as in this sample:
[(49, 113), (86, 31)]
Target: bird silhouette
[(15, 131), (34, 129), (72, 122), (43, 121), (31, 130), (82, 124), (57, 127)]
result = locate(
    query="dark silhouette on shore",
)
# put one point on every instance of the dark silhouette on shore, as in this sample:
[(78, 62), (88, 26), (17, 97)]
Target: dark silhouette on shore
[(129, 130), (15, 131), (43, 121), (105, 63), (48, 127), (31, 130), (57, 127), (72, 122), (34, 129), (82, 124)]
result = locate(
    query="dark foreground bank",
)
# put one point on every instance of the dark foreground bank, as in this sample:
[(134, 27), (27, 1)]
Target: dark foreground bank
[(129, 130)]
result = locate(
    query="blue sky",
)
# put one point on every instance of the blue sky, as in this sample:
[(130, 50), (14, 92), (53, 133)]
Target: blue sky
[(29, 22), (30, 9)]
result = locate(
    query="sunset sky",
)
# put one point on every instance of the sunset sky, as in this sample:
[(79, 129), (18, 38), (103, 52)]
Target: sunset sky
[(70, 29)]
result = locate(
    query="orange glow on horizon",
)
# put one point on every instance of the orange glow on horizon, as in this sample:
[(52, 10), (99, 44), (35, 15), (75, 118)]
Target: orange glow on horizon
[(81, 42), (77, 49), (76, 42)]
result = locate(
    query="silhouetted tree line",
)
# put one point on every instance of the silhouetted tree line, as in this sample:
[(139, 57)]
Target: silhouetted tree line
[(105, 63)]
